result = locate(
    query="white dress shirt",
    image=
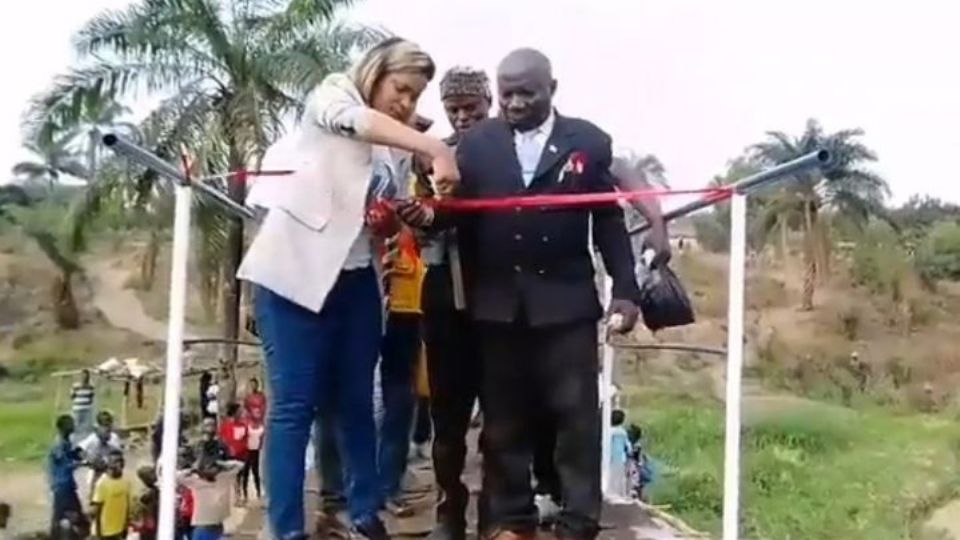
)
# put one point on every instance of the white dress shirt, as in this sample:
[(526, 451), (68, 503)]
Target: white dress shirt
[(529, 146), (391, 166)]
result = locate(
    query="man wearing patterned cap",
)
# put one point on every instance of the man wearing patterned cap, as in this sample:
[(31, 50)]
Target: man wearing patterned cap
[(453, 368)]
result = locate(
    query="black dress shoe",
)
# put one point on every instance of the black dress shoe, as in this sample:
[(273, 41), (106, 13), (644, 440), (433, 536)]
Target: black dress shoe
[(371, 529)]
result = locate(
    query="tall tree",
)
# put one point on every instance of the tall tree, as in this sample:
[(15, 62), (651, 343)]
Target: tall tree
[(846, 188), (230, 72), (41, 221)]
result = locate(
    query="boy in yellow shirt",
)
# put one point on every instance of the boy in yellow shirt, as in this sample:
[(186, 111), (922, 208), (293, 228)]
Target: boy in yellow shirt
[(111, 500)]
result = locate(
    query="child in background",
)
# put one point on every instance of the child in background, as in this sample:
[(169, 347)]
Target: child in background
[(233, 433), (252, 467), (98, 446), (62, 462), (213, 396), (210, 444), (211, 482), (110, 503), (149, 507), (255, 403), (619, 455), (184, 526), (640, 466)]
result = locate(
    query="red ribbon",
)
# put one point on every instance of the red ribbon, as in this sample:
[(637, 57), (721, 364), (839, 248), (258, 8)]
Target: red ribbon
[(562, 200), (571, 200)]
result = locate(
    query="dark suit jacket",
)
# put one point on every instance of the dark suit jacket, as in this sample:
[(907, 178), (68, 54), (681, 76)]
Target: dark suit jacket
[(536, 262)]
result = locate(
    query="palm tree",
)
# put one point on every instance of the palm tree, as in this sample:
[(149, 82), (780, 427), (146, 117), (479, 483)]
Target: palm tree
[(54, 158), (231, 73), (40, 221), (846, 188), (757, 234), (85, 118), (647, 164)]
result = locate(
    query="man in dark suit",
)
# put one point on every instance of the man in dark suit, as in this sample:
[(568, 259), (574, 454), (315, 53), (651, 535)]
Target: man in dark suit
[(452, 362), (533, 296)]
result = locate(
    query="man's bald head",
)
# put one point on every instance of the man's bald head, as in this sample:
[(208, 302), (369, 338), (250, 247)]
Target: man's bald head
[(527, 60), (525, 88)]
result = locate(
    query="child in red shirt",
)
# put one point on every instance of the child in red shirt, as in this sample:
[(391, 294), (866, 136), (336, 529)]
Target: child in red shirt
[(256, 402), (234, 433)]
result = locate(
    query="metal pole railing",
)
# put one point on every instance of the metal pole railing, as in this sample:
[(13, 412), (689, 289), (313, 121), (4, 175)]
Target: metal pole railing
[(673, 347), (148, 159), (819, 158)]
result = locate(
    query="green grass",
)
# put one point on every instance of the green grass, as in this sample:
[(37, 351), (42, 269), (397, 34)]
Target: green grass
[(28, 411), (26, 415), (809, 471)]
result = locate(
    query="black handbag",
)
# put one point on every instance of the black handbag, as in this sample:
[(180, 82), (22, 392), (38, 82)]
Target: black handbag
[(663, 301)]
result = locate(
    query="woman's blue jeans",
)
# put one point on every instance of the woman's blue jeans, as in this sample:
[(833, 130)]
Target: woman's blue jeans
[(311, 358)]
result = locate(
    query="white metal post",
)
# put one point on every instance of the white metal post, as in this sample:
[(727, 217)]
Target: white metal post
[(731, 462), (606, 396), (174, 368)]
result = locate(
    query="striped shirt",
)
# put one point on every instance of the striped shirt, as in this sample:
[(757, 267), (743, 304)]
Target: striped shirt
[(82, 397)]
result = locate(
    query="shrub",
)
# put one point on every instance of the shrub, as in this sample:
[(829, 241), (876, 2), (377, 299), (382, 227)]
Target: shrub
[(879, 262), (850, 323), (938, 256), (899, 372), (712, 233)]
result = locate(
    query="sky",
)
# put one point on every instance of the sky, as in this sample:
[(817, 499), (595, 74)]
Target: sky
[(692, 81)]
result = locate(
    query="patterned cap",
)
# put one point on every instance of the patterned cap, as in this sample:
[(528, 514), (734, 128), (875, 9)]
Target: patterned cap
[(464, 81)]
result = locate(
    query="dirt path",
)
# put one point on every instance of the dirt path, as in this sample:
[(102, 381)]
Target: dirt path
[(120, 305), (25, 490), (945, 522)]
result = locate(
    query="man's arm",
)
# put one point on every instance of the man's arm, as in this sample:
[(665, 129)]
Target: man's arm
[(610, 236), (426, 218), (126, 519), (625, 177), (96, 505)]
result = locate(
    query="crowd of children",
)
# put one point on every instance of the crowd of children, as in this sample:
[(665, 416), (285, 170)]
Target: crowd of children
[(213, 472), (108, 506)]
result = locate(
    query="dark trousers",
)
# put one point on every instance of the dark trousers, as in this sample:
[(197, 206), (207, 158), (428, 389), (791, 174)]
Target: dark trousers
[(422, 428), (66, 505), (251, 468), (453, 369), (531, 376), (398, 363), (545, 474), (311, 357)]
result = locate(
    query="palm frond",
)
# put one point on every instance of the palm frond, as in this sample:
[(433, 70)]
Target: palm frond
[(30, 169), (74, 167), (299, 61), (299, 14), (109, 80)]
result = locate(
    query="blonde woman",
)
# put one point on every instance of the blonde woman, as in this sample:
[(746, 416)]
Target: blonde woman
[(316, 296)]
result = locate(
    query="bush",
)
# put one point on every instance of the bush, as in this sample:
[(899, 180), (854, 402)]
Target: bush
[(879, 262), (899, 372), (712, 233), (850, 321), (938, 256)]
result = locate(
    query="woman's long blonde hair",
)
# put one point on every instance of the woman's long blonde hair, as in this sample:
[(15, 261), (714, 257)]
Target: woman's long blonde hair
[(391, 55)]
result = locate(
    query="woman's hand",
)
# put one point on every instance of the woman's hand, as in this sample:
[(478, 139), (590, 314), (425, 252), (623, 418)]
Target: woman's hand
[(446, 175), (382, 219)]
